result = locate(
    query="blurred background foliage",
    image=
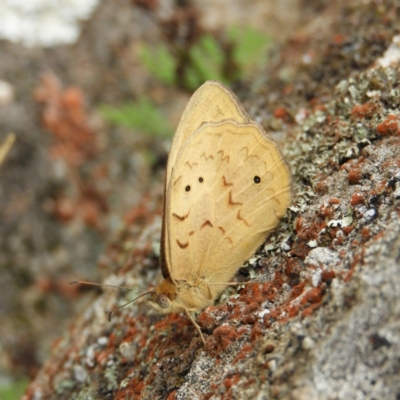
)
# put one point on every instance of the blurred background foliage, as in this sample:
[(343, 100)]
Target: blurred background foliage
[(227, 58)]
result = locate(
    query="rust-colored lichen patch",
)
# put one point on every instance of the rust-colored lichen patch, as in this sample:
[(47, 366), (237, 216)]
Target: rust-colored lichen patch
[(208, 319), (365, 110), (347, 229), (328, 275), (354, 175), (357, 198), (365, 233), (321, 187), (306, 231), (244, 352), (222, 337), (390, 126), (297, 291)]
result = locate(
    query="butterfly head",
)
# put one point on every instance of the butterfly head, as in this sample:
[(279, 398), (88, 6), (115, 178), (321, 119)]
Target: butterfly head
[(162, 298), (159, 301)]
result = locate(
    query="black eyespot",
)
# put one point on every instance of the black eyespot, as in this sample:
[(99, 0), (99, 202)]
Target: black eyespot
[(257, 179), (187, 188), (163, 301), (201, 179)]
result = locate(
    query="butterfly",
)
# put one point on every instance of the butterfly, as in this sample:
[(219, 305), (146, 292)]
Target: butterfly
[(226, 188)]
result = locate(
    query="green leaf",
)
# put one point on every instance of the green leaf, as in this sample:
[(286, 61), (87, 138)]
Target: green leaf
[(159, 62), (251, 46), (142, 115), (13, 391), (207, 60)]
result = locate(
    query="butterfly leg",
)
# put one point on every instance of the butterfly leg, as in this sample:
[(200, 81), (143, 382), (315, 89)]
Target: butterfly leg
[(195, 325)]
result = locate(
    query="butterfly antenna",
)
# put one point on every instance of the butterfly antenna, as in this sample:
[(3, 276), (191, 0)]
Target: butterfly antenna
[(105, 285), (129, 302)]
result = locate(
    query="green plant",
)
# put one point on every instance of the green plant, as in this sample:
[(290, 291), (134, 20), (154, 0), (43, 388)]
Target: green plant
[(243, 50), (142, 114), (250, 50), (159, 62), (208, 58), (13, 391)]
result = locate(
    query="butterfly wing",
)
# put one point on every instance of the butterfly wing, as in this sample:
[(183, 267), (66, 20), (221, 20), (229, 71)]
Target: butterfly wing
[(228, 188), (212, 102)]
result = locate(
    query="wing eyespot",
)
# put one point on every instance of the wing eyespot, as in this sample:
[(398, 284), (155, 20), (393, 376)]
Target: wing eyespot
[(187, 188), (257, 179), (201, 180)]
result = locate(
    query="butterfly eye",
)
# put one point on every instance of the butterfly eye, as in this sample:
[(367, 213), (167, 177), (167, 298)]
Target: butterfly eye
[(187, 188), (163, 301), (257, 179), (201, 179)]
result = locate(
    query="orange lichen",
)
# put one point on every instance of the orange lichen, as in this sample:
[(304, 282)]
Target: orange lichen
[(172, 395), (306, 231), (339, 39), (334, 200), (310, 310), (347, 229), (365, 233), (222, 337), (354, 175), (365, 110), (102, 356), (256, 332), (390, 126), (132, 390), (282, 113), (249, 309), (258, 293), (326, 210), (314, 295), (379, 188), (274, 314), (357, 198), (356, 261), (328, 275), (229, 382), (292, 310), (244, 352), (297, 291), (339, 238), (321, 187), (207, 320)]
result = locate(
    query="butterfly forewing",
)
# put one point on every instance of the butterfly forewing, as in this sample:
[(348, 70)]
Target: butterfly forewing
[(212, 102)]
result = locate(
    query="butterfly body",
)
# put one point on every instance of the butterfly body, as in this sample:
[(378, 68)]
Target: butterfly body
[(180, 296)]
